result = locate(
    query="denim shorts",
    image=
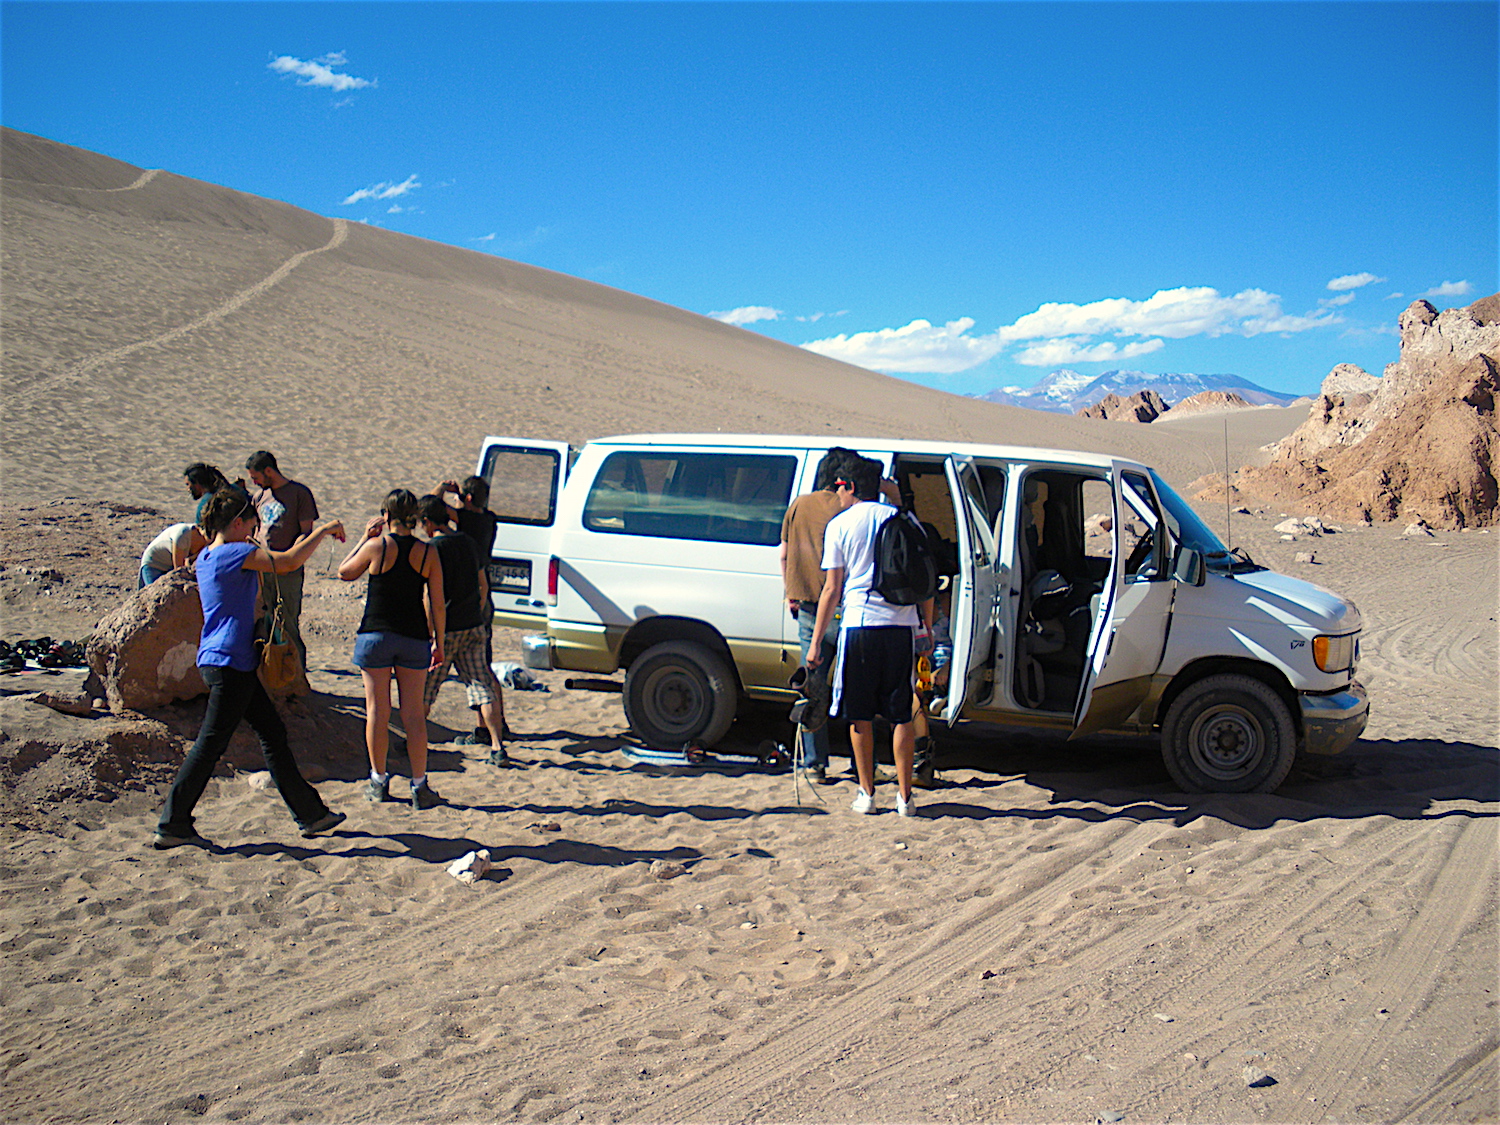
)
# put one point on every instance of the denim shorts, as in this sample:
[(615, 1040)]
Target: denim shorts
[(390, 650)]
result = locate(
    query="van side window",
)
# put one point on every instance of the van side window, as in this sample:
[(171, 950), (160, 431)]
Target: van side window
[(1141, 536), (523, 484), (718, 497)]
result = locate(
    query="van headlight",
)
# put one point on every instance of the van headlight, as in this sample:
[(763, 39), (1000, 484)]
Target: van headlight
[(1336, 654)]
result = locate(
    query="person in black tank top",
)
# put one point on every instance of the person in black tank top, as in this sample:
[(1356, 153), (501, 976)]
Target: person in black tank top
[(400, 636), (475, 520)]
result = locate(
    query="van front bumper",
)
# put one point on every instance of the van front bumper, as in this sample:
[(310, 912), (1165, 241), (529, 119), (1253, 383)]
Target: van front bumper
[(536, 652), (1332, 723)]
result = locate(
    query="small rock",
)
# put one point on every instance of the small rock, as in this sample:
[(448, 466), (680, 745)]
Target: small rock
[(1288, 538), (988, 974), (900, 847), (664, 869), (1288, 527), (1305, 557), (260, 782), (747, 925), (1110, 1117), (1418, 530), (469, 868), (1257, 1079), (1164, 1017), (545, 826)]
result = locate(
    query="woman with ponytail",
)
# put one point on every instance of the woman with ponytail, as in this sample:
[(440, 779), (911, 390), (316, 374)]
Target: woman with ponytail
[(400, 636), (228, 581)]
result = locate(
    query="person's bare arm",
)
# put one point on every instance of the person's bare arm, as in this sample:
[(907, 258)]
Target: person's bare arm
[(284, 562), (363, 553), (833, 594), (437, 609), (791, 603)]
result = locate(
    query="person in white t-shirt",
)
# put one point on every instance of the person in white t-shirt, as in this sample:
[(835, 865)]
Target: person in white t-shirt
[(875, 643)]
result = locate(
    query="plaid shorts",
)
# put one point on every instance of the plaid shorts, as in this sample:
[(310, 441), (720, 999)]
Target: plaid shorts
[(467, 652)]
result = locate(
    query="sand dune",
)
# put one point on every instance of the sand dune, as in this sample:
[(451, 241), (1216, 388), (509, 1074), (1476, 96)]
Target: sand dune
[(1063, 936)]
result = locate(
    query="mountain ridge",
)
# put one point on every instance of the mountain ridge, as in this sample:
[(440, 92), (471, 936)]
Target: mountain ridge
[(1065, 391)]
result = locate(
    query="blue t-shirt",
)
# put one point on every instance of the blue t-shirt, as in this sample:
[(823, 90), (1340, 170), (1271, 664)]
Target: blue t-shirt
[(228, 594)]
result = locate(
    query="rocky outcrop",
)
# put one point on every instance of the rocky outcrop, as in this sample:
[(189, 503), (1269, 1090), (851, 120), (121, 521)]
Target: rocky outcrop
[(1143, 406), (145, 652), (1419, 443), (1206, 402)]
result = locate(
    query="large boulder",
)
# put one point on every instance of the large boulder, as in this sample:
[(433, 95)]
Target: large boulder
[(145, 653), (1418, 443)]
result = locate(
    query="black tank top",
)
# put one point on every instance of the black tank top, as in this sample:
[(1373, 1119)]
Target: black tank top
[(393, 601)]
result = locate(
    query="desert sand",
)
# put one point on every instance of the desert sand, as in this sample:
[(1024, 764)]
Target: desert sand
[(1061, 937)]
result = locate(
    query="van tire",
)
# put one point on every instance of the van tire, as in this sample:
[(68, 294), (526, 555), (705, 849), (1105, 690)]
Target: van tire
[(1228, 734), (680, 693)]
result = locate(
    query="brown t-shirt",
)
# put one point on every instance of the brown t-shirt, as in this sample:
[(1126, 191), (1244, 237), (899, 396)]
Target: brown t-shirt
[(283, 511), (802, 532)]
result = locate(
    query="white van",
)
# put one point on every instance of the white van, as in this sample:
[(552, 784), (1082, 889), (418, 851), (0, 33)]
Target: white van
[(1089, 596)]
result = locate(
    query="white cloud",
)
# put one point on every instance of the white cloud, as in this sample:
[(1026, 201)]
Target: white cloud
[(485, 237), (1353, 281), (384, 190), (1450, 289), (748, 314), (1056, 353), (319, 71), (1174, 313), (1069, 332), (919, 347), (1335, 302)]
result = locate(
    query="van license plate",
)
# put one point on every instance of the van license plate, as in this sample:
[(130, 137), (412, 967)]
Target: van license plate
[(510, 576)]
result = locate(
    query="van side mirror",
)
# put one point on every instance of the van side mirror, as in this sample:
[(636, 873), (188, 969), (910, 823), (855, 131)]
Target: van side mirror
[(1187, 566)]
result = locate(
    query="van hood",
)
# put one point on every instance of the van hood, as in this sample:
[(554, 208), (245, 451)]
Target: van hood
[(1319, 608)]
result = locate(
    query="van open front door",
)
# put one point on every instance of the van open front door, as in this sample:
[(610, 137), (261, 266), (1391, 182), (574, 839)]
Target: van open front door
[(525, 479), (972, 592), (1130, 626)]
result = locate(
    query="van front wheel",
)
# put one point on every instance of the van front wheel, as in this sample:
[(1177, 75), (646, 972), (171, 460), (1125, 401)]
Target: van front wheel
[(1228, 734), (679, 693)]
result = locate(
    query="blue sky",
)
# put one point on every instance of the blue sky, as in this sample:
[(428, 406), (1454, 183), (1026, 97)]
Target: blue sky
[(968, 195)]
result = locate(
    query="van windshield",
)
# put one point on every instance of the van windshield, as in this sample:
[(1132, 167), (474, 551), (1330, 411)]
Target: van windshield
[(1189, 530)]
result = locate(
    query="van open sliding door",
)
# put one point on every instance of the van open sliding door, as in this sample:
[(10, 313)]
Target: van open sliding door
[(972, 591), (525, 478)]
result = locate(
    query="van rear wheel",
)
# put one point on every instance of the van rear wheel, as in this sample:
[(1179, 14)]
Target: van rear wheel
[(680, 693), (1228, 734)]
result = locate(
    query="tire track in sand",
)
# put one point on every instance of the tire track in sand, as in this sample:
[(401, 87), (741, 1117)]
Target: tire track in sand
[(1407, 976), (78, 371), (729, 1085)]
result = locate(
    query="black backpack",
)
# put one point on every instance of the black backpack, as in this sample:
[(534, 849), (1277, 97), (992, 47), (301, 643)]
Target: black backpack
[(906, 563)]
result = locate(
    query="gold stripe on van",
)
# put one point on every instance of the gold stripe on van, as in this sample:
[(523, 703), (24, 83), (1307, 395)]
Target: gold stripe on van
[(765, 667), (586, 648)]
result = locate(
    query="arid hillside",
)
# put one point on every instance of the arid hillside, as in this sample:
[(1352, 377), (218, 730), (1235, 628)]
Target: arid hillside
[(151, 320)]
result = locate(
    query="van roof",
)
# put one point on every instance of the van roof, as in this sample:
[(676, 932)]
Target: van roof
[(893, 445)]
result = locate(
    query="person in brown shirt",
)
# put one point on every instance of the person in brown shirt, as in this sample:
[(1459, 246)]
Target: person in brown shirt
[(802, 577)]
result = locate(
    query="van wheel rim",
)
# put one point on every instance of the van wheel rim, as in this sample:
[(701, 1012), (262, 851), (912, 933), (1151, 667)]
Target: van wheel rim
[(1226, 742), (676, 699)]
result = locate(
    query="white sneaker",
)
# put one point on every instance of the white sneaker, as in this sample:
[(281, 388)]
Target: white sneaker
[(863, 802), (906, 806)]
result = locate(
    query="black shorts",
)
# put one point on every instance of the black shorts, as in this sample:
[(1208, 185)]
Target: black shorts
[(876, 676)]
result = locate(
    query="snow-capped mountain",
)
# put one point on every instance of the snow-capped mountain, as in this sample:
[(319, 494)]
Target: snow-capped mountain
[(1066, 392)]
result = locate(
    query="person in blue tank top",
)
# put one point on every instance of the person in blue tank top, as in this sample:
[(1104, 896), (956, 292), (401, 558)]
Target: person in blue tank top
[(228, 572), (400, 637)]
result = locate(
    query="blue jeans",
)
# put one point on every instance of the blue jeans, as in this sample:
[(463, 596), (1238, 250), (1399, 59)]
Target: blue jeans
[(234, 695), (814, 742)]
